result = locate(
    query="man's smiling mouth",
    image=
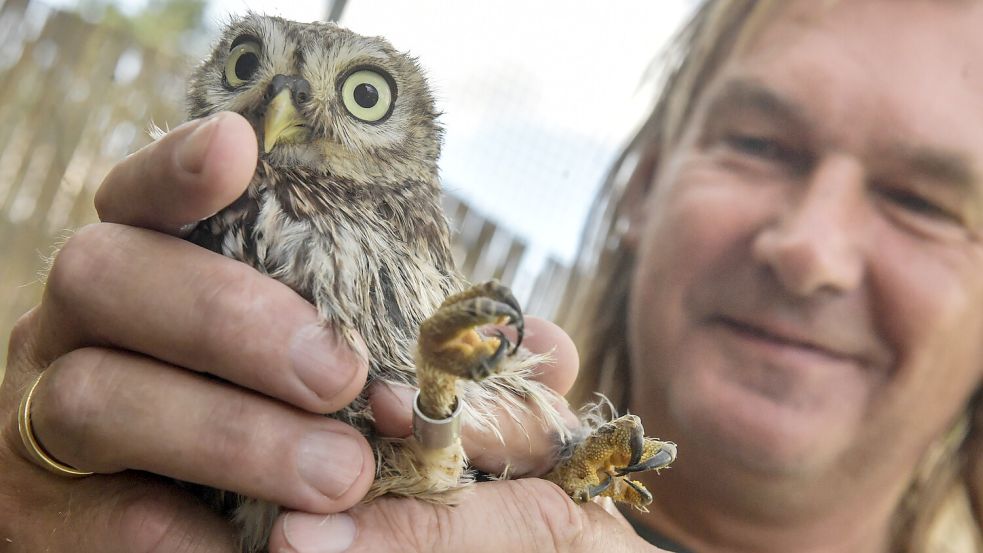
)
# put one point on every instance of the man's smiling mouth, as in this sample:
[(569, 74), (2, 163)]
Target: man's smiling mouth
[(784, 336)]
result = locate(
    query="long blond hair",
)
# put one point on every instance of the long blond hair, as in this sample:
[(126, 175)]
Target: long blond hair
[(943, 509)]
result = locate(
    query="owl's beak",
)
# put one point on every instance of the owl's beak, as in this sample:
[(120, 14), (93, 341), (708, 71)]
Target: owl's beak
[(281, 123)]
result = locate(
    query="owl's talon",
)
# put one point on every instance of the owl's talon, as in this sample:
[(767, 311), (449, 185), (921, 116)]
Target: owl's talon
[(500, 293), (637, 444), (644, 497), (661, 460), (450, 346), (520, 330), (518, 321), (597, 490), (450, 343), (486, 365)]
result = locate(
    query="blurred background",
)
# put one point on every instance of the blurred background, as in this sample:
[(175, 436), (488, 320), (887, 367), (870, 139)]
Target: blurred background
[(538, 98)]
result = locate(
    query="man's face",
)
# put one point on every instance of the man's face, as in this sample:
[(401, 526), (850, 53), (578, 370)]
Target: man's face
[(809, 287)]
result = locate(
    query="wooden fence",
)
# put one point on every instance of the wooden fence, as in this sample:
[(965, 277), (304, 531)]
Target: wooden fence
[(76, 97)]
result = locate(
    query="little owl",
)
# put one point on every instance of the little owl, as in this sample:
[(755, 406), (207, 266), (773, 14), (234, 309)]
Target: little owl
[(345, 209)]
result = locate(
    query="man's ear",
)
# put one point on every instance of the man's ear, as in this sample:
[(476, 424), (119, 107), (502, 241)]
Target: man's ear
[(633, 202)]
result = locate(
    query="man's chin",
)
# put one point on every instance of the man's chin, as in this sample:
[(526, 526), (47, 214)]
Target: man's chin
[(755, 430)]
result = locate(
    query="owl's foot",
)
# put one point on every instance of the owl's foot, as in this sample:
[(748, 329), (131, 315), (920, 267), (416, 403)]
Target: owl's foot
[(450, 347), (600, 465), (449, 342)]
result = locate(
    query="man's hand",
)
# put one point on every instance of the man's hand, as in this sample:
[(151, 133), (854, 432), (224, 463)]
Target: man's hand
[(517, 516), (134, 326)]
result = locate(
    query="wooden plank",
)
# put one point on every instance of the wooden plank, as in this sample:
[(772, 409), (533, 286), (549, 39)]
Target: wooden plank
[(548, 289)]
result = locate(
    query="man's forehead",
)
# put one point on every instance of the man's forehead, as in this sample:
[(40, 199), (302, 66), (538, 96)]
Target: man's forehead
[(916, 32), (906, 77)]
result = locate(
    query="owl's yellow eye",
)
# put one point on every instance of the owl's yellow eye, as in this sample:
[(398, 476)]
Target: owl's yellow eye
[(368, 94), (242, 63)]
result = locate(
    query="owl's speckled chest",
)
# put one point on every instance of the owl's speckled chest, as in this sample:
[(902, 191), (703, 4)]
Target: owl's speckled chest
[(374, 259)]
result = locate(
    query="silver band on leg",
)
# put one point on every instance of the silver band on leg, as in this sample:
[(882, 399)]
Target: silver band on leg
[(434, 433)]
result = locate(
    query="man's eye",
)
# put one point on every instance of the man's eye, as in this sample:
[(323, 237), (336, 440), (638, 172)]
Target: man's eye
[(918, 205), (757, 146)]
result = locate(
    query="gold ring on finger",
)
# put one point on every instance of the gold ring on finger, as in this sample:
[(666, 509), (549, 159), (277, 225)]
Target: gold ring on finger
[(34, 448)]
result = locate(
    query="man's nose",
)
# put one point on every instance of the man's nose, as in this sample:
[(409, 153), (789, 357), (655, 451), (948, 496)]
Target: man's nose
[(815, 242)]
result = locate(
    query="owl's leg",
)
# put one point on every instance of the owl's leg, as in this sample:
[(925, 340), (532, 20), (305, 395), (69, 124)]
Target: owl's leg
[(600, 464), (449, 347)]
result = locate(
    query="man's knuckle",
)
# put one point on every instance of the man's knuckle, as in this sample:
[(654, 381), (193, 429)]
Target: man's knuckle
[(21, 332), (102, 199), (23, 336), (232, 429), (72, 396), (81, 262), (231, 300)]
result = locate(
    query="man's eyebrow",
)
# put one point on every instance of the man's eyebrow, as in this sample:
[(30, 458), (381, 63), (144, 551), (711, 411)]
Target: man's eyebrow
[(741, 95), (938, 165)]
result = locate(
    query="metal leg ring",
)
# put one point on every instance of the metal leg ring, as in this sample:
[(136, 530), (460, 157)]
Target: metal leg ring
[(436, 433)]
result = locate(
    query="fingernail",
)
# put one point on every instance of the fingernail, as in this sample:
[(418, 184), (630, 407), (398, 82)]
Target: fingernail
[(191, 152), (319, 533), (323, 361), (329, 461)]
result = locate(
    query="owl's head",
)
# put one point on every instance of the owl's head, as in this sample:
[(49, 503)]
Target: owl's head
[(323, 97)]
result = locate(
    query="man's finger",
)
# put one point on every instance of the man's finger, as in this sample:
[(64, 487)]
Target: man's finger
[(218, 316), (191, 173), (111, 514), (528, 445), (543, 336), (517, 516), (106, 411)]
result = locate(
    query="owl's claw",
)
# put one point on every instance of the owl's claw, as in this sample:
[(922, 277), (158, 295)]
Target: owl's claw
[(597, 490), (486, 365), (661, 460), (520, 329), (450, 347), (600, 464), (450, 343), (496, 291), (505, 295), (635, 494)]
